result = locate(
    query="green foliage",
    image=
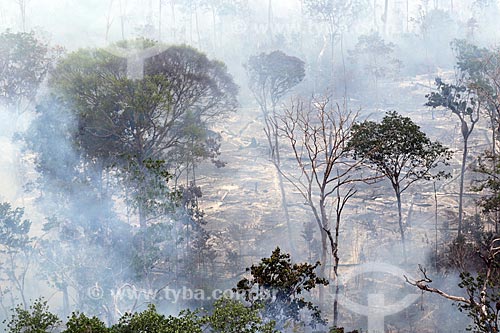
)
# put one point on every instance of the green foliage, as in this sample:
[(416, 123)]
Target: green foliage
[(16, 249), (24, 62), (230, 316), (152, 322), (80, 323), (376, 56), (278, 285), (485, 306), (340, 330), (149, 247), (489, 185), (273, 75), (36, 319), (139, 127), (13, 229), (338, 14), (398, 149), (456, 97)]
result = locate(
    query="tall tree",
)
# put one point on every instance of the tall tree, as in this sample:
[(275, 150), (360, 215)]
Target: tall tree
[(337, 14), (482, 69), (401, 152), (316, 134), (376, 56), (271, 77), (462, 101), (124, 122)]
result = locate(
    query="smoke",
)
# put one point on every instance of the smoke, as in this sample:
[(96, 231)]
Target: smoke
[(86, 224)]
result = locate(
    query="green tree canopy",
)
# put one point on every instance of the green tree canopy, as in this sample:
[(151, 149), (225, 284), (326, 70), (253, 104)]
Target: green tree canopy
[(272, 75), (24, 63), (279, 285), (399, 150)]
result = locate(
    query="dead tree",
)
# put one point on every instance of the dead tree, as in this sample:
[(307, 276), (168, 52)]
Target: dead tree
[(316, 133)]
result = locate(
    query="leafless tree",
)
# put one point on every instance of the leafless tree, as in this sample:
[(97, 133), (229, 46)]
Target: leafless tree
[(316, 134)]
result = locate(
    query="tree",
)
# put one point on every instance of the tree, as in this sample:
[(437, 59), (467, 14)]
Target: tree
[(36, 319), (376, 57), (83, 239), (317, 134), (124, 122), (271, 76), (16, 247), (482, 299), (482, 69), (24, 63), (278, 284), (401, 152), (489, 185), (337, 14), (462, 102), (230, 316), (221, 8), (80, 323), (152, 322)]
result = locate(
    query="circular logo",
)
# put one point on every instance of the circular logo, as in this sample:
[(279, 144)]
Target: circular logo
[(95, 292), (376, 309)]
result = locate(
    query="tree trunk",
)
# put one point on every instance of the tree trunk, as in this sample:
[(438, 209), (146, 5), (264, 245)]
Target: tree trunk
[(66, 308), (270, 20), (400, 221), (22, 9), (322, 268), (122, 19), (336, 264), (436, 228), (324, 243), (159, 20), (284, 204), (494, 126), (198, 35), (461, 191), (172, 8), (214, 23), (271, 132), (386, 15), (407, 16)]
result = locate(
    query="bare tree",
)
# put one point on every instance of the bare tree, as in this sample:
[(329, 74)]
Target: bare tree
[(317, 133)]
